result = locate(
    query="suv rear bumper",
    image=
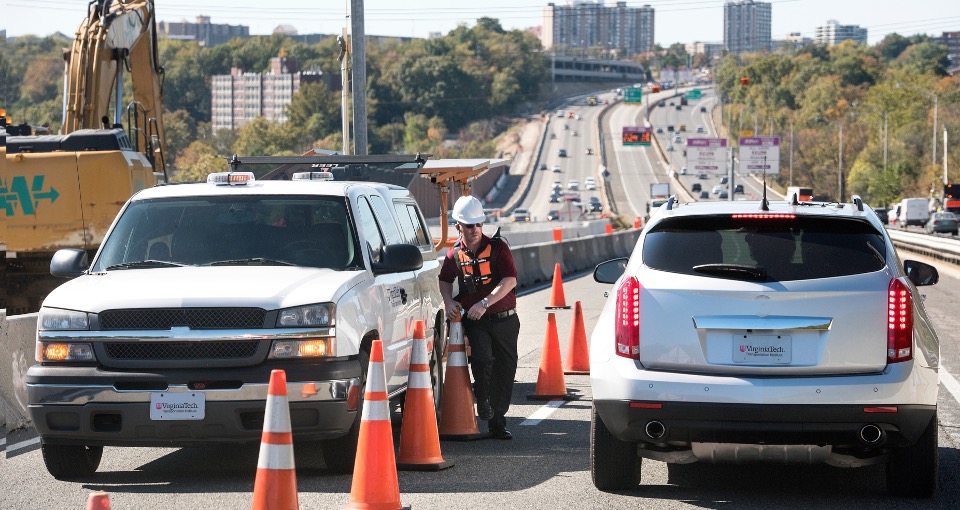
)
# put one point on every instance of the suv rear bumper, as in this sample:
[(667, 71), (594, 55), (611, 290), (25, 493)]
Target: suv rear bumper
[(840, 425), (91, 406)]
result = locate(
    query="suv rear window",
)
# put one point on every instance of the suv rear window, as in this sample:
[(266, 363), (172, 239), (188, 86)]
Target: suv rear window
[(799, 248)]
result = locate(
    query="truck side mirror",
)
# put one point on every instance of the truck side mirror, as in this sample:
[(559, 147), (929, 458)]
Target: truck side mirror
[(69, 263), (397, 258)]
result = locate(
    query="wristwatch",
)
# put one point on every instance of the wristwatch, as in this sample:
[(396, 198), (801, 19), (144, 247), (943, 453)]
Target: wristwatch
[(484, 303)]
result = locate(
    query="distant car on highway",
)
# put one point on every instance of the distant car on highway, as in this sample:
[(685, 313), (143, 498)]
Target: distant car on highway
[(562, 153), (556, 169), (702, 175), (717, 189), (520, 215), (659, 129), (699, 129), (703, 108), (882, 214), (704, 194), (738, 188), (573, 184), (553, 215), (662, 103), (590, 184), (942, 222), (724, 194), (543, 166), (696, 187), (589, 151)]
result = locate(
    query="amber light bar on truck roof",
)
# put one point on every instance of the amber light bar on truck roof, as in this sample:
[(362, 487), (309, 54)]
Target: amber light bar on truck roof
[(230, 178)]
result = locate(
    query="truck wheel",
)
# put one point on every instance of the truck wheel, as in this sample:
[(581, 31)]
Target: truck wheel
[(913, 471), (436, 364), (614, 464), (68, 462), (340, 454)]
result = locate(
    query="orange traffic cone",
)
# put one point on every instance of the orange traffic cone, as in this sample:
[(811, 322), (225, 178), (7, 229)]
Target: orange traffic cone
[(557, 301), (457, 420), (375, 484), (98, 501), (276, 483), (419, 438), (577, 360), (550, 383)]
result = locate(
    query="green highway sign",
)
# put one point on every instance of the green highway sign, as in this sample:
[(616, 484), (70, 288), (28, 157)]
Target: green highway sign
[(632, 95), (693, 94)]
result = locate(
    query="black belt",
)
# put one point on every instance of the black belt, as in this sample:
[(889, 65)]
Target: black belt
[(499, 315)]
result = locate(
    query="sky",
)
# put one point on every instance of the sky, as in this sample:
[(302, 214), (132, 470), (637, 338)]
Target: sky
[(675, 20)]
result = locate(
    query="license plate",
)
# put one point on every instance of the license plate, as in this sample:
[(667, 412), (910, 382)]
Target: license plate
[(177, 406), (762, 349)]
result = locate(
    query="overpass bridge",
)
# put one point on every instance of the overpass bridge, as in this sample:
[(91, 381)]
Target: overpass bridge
[(566, 68)]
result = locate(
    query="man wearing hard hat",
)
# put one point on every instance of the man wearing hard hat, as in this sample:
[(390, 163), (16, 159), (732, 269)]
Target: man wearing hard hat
[(487, 279)]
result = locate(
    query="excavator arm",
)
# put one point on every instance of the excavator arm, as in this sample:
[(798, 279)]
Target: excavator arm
[(117, 35)]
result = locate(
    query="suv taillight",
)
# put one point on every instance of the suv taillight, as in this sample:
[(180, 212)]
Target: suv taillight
[(899, 322), (627, 330)]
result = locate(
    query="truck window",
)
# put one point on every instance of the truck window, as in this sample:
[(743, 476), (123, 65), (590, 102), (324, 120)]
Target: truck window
[(386, 222), (371, 231), (412, 225)]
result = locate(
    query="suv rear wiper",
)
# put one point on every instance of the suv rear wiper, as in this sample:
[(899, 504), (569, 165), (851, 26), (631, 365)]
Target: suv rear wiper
[(734, 270), (145, 264), (253, 260)]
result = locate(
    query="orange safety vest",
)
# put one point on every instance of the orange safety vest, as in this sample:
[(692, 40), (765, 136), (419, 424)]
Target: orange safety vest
[(481, 266)]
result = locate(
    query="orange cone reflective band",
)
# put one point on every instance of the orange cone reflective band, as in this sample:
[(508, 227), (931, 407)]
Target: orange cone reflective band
[(457, 419), (557, 300), (419, 438), (375, 484), (577, 360), (98, 501), (276, 483), (550, 383), (608, 228)]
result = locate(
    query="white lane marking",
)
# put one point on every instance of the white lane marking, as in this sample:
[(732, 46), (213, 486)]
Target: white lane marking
[(950, 383), (23, 444), (543, 413), (3, 442)]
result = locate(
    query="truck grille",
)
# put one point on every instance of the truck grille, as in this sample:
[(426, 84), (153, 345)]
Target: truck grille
[(134, 351), (194, 318)]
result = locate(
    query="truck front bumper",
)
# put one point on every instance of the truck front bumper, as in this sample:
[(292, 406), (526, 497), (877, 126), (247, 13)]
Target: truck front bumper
[(92, 406)]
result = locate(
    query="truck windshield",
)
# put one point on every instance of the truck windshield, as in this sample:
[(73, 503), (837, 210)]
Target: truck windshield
[(308, 231)]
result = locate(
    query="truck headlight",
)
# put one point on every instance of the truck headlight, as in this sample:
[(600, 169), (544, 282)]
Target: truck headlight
[(56, 319), (305, 316), (61, 351), (310, 348)]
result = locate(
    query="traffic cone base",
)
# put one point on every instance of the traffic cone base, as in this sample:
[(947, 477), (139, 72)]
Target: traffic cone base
[(577, 360), (557, 299), (98, 501), (550, 383), (457, 419), (419, 439)]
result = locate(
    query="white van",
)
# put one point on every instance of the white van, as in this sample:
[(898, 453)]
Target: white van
[(913, 211)]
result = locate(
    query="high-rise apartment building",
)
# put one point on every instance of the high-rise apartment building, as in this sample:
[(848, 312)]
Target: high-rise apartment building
[(239, 97), (580, 26), (833, 33), (746, 26), (952, 41), (203, 31)]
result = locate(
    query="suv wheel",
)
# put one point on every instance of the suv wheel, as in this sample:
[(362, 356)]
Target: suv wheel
[(614, 464), (67, 462), (340, 454), (912, 471)]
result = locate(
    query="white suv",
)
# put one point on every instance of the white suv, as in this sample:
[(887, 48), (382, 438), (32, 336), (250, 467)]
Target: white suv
[(198, 291), (790, 333)]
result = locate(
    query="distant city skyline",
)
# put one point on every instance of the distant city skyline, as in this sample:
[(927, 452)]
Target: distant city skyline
[(683, 21)]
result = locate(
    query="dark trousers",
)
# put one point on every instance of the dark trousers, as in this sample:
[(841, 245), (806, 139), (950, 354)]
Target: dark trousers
[(493, 361)]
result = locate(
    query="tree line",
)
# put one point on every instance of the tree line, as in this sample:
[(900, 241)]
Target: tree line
[(883, 98), (441, 96)]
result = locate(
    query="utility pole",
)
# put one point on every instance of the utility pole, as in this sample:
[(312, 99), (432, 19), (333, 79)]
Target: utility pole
[(840, 167), (791, 153), (344, 91), (358, 60)]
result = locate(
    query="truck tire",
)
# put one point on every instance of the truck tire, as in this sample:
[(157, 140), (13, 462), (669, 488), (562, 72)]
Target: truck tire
[(340, 454), (913, 471), (614, 464), (69, 462)]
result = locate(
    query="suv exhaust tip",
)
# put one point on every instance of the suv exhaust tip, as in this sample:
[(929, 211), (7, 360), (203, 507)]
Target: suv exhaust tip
[(871, 434), (655, 429)]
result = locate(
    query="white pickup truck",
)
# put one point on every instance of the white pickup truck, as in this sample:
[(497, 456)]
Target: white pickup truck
[(169, 335)]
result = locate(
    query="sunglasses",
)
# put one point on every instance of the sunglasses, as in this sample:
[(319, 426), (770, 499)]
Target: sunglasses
[(470, 225)]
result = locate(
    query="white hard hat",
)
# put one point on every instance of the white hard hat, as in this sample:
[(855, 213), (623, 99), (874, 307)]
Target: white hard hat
[(468, 210)]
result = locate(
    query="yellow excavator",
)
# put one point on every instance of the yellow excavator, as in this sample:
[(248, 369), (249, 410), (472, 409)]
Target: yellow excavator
[(64, 190)]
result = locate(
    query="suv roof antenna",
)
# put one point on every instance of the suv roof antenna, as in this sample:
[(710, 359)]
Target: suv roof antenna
[(764, 205)]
